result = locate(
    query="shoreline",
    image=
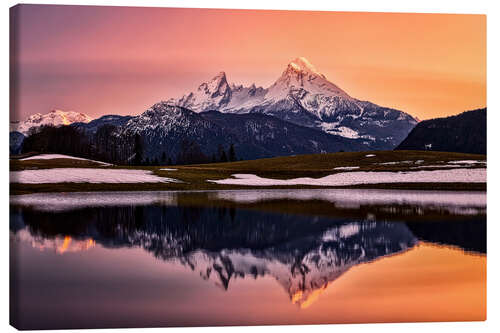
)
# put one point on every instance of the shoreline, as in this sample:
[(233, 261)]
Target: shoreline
[(19, 189)]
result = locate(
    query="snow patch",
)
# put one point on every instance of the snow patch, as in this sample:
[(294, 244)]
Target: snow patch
[(395, 162), (347, 132), (86, 175), (335, 129), (55, 156), (435, 166), (362, 177), (467, 162), (346, 168)]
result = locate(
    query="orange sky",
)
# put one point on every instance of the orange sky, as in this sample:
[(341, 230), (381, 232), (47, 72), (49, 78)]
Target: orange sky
[(121, 60)]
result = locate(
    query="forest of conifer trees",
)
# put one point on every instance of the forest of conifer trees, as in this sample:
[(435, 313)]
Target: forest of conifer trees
[(106, 146)]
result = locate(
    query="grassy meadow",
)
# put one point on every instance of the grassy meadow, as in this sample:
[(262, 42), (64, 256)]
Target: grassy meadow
[(194, 177)]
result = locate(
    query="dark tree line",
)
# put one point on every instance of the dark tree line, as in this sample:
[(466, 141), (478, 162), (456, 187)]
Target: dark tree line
[(64, 140), (191, 153), (105, 145), (222, 156)]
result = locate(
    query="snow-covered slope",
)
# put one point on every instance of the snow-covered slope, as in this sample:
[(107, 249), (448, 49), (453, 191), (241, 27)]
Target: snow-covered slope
[(91, 127), (54, 118), (304, 96)]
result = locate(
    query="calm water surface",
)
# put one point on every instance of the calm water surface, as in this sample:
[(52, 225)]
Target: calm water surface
[(91, 260)]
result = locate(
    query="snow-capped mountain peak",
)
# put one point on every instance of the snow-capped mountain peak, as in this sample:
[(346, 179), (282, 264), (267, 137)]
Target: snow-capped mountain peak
[(210, 95), (303, 65), (60, 117), (301, 78), (53, 118), (215, 87)]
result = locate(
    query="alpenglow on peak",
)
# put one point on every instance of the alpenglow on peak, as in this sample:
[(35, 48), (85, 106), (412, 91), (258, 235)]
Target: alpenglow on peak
[(302, 64), (53, 118)]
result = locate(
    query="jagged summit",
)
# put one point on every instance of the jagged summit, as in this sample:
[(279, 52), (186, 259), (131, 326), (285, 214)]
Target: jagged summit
[(210, 95), (218, 86), (221, 75)]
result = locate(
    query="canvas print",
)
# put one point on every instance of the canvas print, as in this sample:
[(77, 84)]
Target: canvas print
[(210, 167)]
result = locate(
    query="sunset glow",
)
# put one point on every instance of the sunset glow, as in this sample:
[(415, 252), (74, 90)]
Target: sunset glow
[(418, 286), (119, 60), (183, 167)]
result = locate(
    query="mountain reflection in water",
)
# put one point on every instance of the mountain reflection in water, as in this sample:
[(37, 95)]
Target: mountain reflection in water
[(221, 243)]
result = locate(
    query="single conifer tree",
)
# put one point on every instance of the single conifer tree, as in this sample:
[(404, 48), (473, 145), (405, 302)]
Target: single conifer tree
[(137, 149), (232, 153), (223, 156)]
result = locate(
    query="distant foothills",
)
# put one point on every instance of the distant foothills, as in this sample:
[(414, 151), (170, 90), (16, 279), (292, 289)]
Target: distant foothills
[(301, 113)]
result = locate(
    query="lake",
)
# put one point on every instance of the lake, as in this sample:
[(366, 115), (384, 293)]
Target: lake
[(147, 259)]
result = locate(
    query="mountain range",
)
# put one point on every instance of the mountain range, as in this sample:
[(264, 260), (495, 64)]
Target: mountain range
[(304, 96), (301, 112), (53, 118)]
